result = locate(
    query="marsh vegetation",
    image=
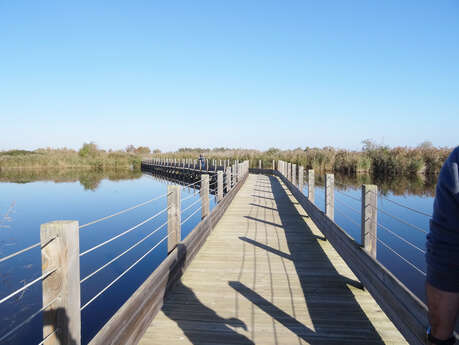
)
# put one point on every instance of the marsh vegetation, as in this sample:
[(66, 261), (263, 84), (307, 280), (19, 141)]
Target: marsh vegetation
[(373, 158)]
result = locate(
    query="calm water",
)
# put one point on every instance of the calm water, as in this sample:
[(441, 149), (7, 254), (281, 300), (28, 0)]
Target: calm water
[(32, 198), (82, 196)]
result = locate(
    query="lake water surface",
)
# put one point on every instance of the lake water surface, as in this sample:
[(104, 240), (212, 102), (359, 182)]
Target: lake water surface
[(82, 196), (29, 199)]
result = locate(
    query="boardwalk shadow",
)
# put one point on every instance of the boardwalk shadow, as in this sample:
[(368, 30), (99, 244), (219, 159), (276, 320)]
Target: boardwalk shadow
[(335, 314), (199, 323)]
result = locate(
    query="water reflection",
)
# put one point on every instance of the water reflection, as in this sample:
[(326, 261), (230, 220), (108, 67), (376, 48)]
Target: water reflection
[(419, 185), (89, 179)]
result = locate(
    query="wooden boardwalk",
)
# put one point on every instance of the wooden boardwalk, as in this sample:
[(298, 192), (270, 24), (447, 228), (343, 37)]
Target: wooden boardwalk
[(266, 276)]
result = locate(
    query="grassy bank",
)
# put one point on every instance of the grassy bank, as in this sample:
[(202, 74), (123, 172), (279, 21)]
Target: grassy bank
[(86, 158)]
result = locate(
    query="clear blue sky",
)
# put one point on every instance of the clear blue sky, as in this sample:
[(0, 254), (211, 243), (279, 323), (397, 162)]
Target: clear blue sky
[(253, 74)]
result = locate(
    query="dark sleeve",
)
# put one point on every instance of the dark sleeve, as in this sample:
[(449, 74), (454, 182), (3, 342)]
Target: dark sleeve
[(443, 238), (446, 205)]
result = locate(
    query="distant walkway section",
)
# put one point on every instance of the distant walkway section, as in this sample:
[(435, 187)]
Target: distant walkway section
[(267, 276)]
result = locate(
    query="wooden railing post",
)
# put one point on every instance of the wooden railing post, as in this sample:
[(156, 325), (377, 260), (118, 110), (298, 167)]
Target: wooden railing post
[(311, 185), (173, 217), (369, 218), (219, 186), (289, 172), (228, 179), (259, 164), (300, 178), (274, 164), (204, 195), (294, 174), (60, 250), (330, 196)]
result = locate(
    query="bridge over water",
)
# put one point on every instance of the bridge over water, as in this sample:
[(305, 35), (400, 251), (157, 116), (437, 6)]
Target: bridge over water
[(265, 266)]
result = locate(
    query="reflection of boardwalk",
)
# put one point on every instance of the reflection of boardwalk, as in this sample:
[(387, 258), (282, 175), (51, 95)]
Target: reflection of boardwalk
[(266, 276)]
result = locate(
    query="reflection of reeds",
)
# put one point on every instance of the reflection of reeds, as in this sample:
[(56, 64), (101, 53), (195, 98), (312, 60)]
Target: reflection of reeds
[(6, 218), (88, 178), (397, 185)]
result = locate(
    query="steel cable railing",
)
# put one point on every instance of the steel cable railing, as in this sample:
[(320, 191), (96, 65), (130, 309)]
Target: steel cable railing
[(386, 245), (43, 276), (26, 321), (401, 238), (50, 334), (191, 215), (400, 220), (385, 228), (123, 253), (400, 256), (122, 274), (191, 184), (385, 198), (189, 197), (10, 256), (389, 215), (191, 205), (123, 233), (347, 217), (349, 196), (406, 207), (348, 207), (123, 211)]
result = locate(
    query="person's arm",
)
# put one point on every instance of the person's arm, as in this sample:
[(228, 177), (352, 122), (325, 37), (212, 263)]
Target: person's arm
[(446, 205), (442, 285)]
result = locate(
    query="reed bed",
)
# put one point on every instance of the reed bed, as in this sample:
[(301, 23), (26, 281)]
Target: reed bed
[(381, 160), (66, 158)]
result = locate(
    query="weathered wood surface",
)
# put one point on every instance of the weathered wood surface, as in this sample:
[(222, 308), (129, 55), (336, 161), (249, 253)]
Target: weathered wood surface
[(265, 275), (60, 248)]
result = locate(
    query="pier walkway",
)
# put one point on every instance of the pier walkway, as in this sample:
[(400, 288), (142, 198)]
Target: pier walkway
[(265, 276)]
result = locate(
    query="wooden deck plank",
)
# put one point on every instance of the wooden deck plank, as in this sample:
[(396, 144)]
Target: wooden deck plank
[(266, 276)]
